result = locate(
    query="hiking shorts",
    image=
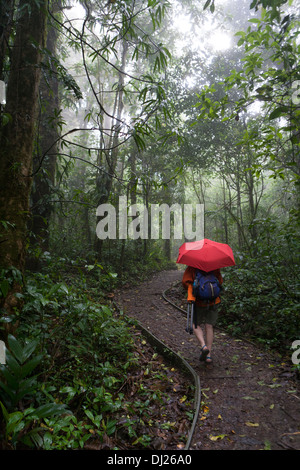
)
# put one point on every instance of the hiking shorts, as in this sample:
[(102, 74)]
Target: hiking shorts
[(207, 314)]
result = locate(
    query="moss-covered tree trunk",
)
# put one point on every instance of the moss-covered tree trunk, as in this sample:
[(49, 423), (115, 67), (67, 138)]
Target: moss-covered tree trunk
[(16, 140)]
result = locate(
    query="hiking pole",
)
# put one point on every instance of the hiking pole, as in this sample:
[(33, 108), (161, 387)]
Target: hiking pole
[(188, 318), (190, 315), (193, 315)]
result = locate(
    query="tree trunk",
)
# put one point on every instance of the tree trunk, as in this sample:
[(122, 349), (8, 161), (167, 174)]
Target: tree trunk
[(104, 182), (16, 144), (225, 223), (44, 163)]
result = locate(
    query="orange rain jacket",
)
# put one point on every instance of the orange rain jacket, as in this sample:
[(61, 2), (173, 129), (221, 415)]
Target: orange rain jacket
[(187, 282)]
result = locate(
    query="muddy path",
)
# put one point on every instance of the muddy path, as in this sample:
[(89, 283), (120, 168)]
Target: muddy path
[(250, 399)]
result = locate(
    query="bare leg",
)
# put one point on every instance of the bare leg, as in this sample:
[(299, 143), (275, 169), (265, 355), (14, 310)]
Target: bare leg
[(209, 330), (199, 335), (209, 339)]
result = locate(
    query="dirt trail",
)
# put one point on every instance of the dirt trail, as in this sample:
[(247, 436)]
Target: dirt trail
[(251, 401)]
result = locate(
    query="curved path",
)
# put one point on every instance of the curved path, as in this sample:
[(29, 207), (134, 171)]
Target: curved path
[(250, 399)]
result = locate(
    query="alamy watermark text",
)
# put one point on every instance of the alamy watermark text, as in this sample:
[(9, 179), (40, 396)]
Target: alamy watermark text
[(138, 221)]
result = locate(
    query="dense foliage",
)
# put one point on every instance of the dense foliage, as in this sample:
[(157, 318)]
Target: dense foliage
[(262, 296), (123, 101), (75, 377)]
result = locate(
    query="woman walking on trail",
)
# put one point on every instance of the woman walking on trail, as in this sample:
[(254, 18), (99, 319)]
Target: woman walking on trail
[(206, 313)]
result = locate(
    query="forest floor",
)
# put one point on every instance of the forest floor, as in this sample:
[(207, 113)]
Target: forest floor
[(250, 397)]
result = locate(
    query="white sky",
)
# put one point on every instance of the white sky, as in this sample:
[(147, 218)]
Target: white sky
[(209, 34), (216, 38)]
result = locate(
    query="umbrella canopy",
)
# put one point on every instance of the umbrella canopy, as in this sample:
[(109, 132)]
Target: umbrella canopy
[(206, 255)]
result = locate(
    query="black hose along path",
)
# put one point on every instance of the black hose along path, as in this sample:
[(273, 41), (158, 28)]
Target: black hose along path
[(180, 363), (195, 376)]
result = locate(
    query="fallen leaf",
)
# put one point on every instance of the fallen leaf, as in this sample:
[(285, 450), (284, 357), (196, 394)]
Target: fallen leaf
[(252, 424), (216, 438)]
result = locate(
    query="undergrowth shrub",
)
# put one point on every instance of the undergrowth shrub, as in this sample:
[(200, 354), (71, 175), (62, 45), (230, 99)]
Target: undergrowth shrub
[(69, 374), (72, 354), (262, 292)]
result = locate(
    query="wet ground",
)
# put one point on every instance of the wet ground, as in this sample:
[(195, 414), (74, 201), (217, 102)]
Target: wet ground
[(250, 398)]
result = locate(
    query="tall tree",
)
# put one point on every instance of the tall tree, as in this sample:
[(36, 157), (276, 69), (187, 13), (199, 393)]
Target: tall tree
[(44, 162), (17, 138)]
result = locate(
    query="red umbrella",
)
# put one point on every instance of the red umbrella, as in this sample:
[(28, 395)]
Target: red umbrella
[(206, 255)]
